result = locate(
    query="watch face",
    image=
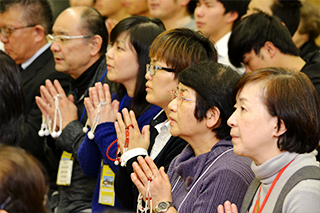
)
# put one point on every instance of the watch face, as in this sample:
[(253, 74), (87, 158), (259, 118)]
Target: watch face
[(163, 205)]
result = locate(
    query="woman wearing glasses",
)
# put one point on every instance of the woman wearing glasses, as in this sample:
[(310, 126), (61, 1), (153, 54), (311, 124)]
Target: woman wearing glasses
[(126, 62), (170, 53), (279, 131), (198, 178)]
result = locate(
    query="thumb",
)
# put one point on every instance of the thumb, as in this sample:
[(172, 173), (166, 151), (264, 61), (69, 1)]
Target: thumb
[(71, 98)]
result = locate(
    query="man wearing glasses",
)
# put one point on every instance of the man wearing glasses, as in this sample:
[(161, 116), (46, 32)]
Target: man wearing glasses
[(24, 25), (79, 43)]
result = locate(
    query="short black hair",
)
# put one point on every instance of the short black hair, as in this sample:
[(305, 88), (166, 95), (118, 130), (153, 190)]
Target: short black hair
[(12, 104), (253, 32), (141, 31), (289, 13), (236, 6), (35, 12), (213, 83), (93, 23), (291, 97)]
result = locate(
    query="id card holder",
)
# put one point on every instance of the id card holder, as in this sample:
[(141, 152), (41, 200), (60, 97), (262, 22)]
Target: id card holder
[(106, 191), (65, 169)]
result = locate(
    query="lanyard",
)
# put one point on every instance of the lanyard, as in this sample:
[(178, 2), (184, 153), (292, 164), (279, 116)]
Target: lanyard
[(271, 188), (84, 111)]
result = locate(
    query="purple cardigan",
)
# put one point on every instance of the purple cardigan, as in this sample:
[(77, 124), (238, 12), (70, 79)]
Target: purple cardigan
[(227, 179)]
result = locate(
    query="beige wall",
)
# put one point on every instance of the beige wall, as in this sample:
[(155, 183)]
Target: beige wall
[(317, 2)]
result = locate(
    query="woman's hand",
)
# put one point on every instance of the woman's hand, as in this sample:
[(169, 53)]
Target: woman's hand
[(101, 95), (46, 103), (227, 208), (136, 139), (160, 187)]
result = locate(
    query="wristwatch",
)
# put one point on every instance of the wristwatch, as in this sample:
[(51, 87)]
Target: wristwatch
[(163, 206)]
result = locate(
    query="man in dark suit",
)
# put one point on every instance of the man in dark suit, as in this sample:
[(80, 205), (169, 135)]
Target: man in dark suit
[(24, 25)]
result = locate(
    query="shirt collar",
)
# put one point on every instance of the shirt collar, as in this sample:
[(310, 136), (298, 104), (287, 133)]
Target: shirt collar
[(32, 58)]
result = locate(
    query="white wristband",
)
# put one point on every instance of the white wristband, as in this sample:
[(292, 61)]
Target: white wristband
[(130, 154)]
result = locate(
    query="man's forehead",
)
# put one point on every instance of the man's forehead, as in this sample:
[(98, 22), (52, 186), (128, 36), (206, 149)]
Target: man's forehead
[(67, 23), (261, 5)]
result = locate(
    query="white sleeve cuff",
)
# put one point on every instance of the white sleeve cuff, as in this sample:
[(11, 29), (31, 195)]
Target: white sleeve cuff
[(130, 154)]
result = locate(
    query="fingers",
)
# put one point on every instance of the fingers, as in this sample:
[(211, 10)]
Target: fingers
[(152, 166), (59, 89), (140, 174), (146, 133), (164, 174), (220, 209), (227, 208), (145, 170), (106, 93), (135, 179), (133, 120)]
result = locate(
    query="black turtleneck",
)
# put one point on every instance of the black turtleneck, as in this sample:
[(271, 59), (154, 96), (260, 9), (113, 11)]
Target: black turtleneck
[(82, 82)]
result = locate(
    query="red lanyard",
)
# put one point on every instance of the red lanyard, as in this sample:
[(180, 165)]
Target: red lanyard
[(269, 191)]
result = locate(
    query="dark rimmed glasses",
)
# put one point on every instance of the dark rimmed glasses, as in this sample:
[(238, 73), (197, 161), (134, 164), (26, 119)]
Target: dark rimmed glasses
[(179, 96), (152, 69), (6, 31), (61, 39)]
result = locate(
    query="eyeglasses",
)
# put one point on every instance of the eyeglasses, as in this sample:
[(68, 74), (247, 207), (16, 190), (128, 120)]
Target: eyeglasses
[(152, 69), (63, 38), (6, 31), (180, 98)]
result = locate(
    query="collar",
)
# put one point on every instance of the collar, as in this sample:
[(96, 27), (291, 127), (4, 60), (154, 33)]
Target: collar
[(32, 58), (222, 45)]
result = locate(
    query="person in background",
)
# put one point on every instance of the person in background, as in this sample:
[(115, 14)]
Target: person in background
[(170, 53), (278, 130), (137, 7), (268, 43), (174, 13), (216, 19), (23, 182), (287, 10), (89, 3), (308, 30), (207, 172), (113, 10), (24, 26), (79, 44), (12, 106), (126, 59)]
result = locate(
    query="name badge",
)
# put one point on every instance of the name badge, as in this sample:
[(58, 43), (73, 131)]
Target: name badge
[(106, 192), (65, 169)]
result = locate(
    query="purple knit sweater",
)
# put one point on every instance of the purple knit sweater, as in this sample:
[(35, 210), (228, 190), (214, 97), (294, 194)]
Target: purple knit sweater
[(227, 179)]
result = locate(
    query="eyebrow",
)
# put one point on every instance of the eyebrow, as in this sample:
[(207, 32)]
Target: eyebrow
[(60, 32)]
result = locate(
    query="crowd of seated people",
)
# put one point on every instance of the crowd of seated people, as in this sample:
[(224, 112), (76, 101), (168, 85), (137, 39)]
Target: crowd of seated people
[(151, 106)]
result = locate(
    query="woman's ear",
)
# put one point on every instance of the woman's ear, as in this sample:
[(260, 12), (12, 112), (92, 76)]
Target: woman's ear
[(280, 131), (96, 42), (213, 117)]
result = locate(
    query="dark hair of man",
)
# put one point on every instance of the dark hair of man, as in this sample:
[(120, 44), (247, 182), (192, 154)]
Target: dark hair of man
[(253, 32), (182, 47), (192, 6), (213, 83), (310, 20), (23, 181), (12, 104), (236, 6), (93, 24), (291, 97), (35, 12), (141, 31), (289, 13)]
